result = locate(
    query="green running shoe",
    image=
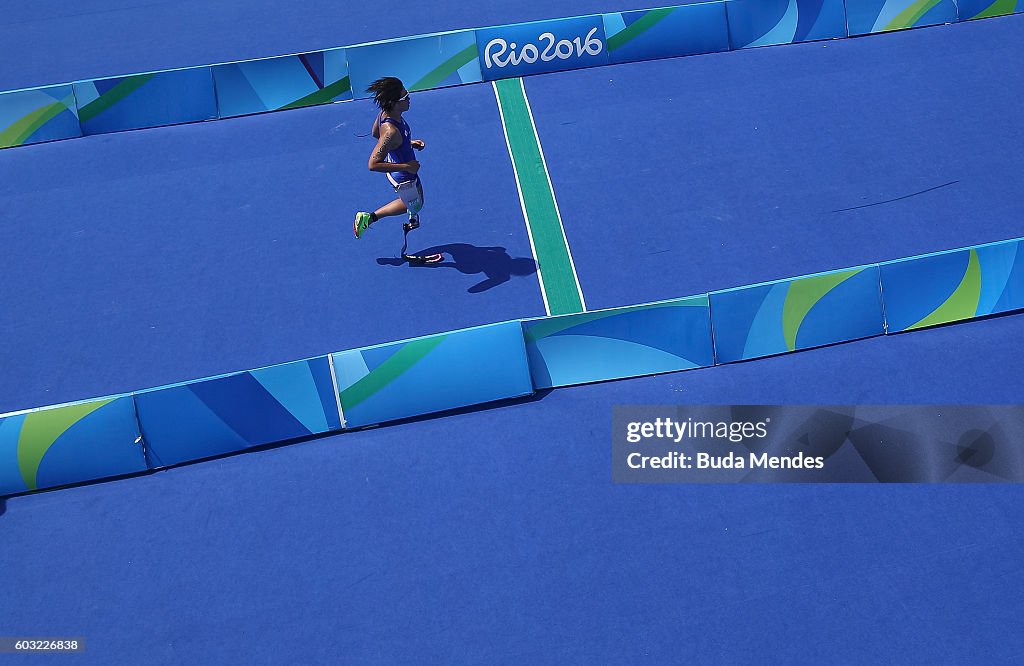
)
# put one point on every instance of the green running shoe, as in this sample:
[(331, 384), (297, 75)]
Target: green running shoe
[(361, 224)]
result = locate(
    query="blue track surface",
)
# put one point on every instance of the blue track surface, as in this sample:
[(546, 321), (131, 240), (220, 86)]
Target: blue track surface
[(496, 535)]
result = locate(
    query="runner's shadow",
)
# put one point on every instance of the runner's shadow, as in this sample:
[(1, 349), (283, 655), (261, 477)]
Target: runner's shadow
[(492, 262)]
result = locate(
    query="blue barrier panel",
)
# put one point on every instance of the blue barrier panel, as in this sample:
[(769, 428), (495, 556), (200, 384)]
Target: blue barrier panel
[(56, 446), (210, 417), (146, 100), (952, 286), (285, 82), (667, 32), (38, 114), (399, 380), (765, 22), (978, 9), (870, 16), (521, 49), (798, 313), (425, 62), (624, 342)]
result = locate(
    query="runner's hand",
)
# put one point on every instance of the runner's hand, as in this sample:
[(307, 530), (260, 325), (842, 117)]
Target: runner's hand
[(412, 167), (418, 144)]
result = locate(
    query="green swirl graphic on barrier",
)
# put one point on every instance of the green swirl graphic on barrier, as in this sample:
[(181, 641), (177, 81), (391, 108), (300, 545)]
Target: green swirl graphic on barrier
[(638, 27), (447, 68), (113, 96), (322, 96), (998, 8), (911, 15), (409, 355), (963, 302), (803, 295), (16, 134), (41, 429)]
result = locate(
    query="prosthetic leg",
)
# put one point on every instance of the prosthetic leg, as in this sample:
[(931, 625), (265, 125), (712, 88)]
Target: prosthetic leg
[(414, 223)]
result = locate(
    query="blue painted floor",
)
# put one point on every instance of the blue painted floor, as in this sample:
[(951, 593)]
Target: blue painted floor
[(495, 534)]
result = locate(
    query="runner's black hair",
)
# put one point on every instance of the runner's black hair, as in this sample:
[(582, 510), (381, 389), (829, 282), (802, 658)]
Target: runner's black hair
[(386, 92)]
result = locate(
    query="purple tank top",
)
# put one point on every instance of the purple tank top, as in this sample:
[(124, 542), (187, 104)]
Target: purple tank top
[(404, 153)]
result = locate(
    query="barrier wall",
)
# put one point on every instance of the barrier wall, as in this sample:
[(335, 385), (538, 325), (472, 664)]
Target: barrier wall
[(978, 9), (538, 47), (767, 22), (73, 443), (953, 286), (219, 415), (667, 32), (37, 115), (425, 62), (872, 16), (453, 58), (105, 437), (146, 100), (287, 82), (432, 374), (624, 342), (799, 313)]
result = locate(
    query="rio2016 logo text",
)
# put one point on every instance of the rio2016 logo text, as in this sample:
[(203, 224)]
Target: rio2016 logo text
[(500, 53)]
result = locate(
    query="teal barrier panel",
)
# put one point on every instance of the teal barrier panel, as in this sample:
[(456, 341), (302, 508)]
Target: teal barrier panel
[(952, 286), (285, 82), (798, 313), (978, 9), (218, 415), (38, 114), (872, 16), (625, 342), (522, 49), (667, 32), (432, 374), (146, 100), (755, 23), (425, 62), (65, 444)]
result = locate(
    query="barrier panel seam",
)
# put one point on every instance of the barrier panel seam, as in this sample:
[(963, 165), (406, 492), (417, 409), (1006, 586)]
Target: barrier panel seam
[(337, 393)]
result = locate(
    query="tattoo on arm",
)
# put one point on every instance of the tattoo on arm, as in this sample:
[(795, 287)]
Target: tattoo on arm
[(384, 145)]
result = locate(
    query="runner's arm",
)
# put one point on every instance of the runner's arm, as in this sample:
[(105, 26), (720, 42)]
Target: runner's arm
[(388, 141)]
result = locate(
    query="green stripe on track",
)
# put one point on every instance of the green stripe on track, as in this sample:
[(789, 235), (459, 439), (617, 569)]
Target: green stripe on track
[(554, 264)]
